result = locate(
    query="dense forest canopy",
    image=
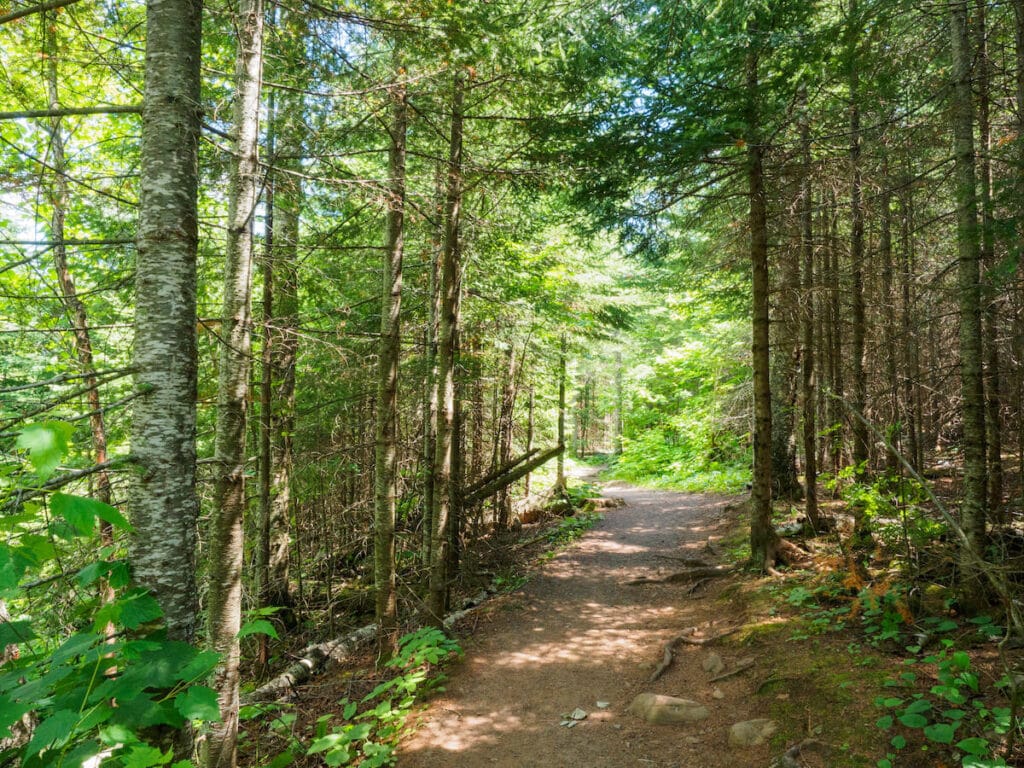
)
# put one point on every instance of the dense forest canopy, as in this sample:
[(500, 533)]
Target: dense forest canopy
[(301, 303)]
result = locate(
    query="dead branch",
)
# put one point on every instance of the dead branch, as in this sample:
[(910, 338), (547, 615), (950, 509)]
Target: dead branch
[(740, 668), (510, 477)]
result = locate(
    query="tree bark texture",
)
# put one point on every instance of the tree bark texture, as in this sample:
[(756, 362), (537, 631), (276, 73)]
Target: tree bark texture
[(164, 507), (807, 315), (858, 330), (972, 512), (763, 540), (226, 539), (386, 438), (445, 444)]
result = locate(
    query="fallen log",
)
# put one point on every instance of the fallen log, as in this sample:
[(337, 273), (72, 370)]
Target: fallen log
[(492, 476), (322, 656), (505, 480)]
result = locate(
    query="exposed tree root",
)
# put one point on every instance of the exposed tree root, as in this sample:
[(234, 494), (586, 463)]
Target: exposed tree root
[(668, 654), (683, 577), (689, 562)]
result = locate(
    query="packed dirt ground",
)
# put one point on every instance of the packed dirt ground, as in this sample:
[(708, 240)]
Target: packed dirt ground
[(797, 669), (580, 637)]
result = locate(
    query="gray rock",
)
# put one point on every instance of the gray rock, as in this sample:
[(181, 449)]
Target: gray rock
[(713, 664), (751, 733), (657, 708), (717, 693)]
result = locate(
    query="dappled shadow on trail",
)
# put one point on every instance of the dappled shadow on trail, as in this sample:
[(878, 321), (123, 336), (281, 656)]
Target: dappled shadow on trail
[(575, 635)]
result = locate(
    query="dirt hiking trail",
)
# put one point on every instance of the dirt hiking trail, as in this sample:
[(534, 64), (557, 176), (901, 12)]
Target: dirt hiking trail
[(576, 634)]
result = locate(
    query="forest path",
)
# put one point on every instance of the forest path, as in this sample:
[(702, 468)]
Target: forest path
[(576, 634)]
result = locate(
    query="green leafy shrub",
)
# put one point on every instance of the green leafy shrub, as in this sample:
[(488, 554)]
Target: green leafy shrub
[(366, 732), (952, 712), (94, 677)]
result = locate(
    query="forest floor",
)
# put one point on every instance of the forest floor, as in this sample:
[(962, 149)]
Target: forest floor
[(577, 633)]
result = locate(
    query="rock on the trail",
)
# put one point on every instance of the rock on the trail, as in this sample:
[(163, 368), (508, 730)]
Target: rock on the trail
[(658, 708), (713, 664), (751, 733), (578, 714)]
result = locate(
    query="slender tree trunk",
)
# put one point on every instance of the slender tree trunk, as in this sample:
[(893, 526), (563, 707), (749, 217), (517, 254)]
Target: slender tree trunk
[(226, 541), (73, 306), (990, 309), (763, 540), (889, 314), (560, 470), (858, 398), (445, 444), (529, 438), (430, 406), (281, 341), (266, 384), (508, 400), (807, 380), (837, 381), (164, 505), (1018, 212), (972, 511), (619, 405), (911, 334), (386, 453)]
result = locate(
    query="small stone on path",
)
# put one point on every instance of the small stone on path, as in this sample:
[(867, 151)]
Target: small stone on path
[(658, 708), (717, 694), (751, 733), (713, 664), (603, 704)]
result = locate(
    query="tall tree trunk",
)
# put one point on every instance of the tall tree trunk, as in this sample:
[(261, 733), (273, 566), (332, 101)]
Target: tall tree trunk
[(990, 308), (911, 335), (858, 398), (73, 306), (894, 426), (430, 385), (226, 540), (164, 506), (763, 540), (386, 451), (281, 339), (837, 382), (445, 444), (1018, 212), (972, 511), (807, 395)]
